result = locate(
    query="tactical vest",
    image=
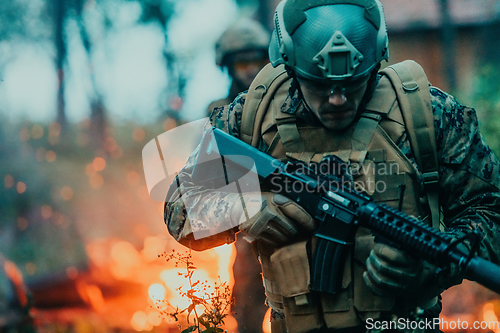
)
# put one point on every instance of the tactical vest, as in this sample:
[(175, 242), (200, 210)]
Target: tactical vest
[(400, 106)]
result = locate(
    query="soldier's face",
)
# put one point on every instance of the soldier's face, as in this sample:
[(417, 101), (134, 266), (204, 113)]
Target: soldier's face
[(335, 105), (246, 65)]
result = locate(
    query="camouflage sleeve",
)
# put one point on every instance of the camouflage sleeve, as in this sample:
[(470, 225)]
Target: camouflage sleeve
[(469, 175), (193, 210)]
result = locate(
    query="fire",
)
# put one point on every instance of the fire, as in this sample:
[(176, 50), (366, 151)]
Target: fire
[(490, 317), (126, 260), (227, 255), (91, 294), (266, 323), (123, 261)]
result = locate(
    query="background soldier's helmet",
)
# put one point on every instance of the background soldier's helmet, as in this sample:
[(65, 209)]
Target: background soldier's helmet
[(244, 35), (329, 39)]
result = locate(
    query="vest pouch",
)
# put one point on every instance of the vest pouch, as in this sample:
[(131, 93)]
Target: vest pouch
[(368, 304), (391, 188), (291, 268)]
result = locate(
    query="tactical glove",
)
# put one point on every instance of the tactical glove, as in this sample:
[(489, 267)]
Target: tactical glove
[(391, 272), (278, 221)]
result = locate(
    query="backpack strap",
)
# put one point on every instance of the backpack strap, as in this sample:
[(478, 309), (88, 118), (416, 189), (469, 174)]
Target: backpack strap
[(259, 96), (412, 90)]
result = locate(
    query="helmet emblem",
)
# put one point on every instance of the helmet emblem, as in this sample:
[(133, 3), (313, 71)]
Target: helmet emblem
[(339, 58)]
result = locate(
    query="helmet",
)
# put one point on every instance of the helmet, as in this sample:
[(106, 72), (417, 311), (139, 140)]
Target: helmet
[(243, 35), (329, 39)]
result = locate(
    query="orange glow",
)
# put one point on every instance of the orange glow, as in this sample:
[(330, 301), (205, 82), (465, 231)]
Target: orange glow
[(157, 292), (96, 181), (169, 123), (21, 187), (133, 177), (40, 154), (54, 129), (138, 134), (15, 275), (46, 211), (140, 322), (161, 209), (66, 193), (95, 296), (8, 181), (110, 144), (266, 323), (72, 272), (89, 170), (99, 163), (22, 223), (227, 255), (24, 134), (230, 324), (122, 260), (126, 260), (117, 153), (36, 131), (50, 156), (152, 247), (154, 318), (490, 317), (97, 254)]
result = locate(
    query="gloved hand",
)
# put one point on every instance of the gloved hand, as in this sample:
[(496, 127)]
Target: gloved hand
[(391, 272), (278, 220)]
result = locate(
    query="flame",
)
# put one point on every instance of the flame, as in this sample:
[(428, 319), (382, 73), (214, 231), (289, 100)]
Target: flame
[(126, 260), (266, 323), (140, 322), (152, 246), (90, 294), (173, 280), (227, 255), (490, 317), (120, 260)]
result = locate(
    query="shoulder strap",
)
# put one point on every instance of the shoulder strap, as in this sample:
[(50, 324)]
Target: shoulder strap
[(412, 90), (258, 98)]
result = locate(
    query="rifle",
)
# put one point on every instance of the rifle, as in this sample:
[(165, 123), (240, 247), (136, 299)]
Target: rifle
[(339, 213)]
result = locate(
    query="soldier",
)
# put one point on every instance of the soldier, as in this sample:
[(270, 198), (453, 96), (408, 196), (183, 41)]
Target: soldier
[(326, 96), (242, 50)]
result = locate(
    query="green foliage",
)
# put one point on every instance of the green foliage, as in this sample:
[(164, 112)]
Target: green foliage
[(485, 98), (215, 301)]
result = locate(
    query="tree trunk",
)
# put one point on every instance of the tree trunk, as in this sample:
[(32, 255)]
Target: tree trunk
[(59, 15), (449, 45), (98, 121)]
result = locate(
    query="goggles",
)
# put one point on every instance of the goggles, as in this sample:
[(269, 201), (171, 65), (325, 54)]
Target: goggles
[(244, 64), (326, 88)]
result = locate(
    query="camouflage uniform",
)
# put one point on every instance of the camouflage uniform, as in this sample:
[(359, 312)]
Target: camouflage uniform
[(469, 178)]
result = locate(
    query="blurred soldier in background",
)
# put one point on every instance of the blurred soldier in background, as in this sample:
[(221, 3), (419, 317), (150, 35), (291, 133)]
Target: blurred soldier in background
[(14, 300), (243, 50)]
